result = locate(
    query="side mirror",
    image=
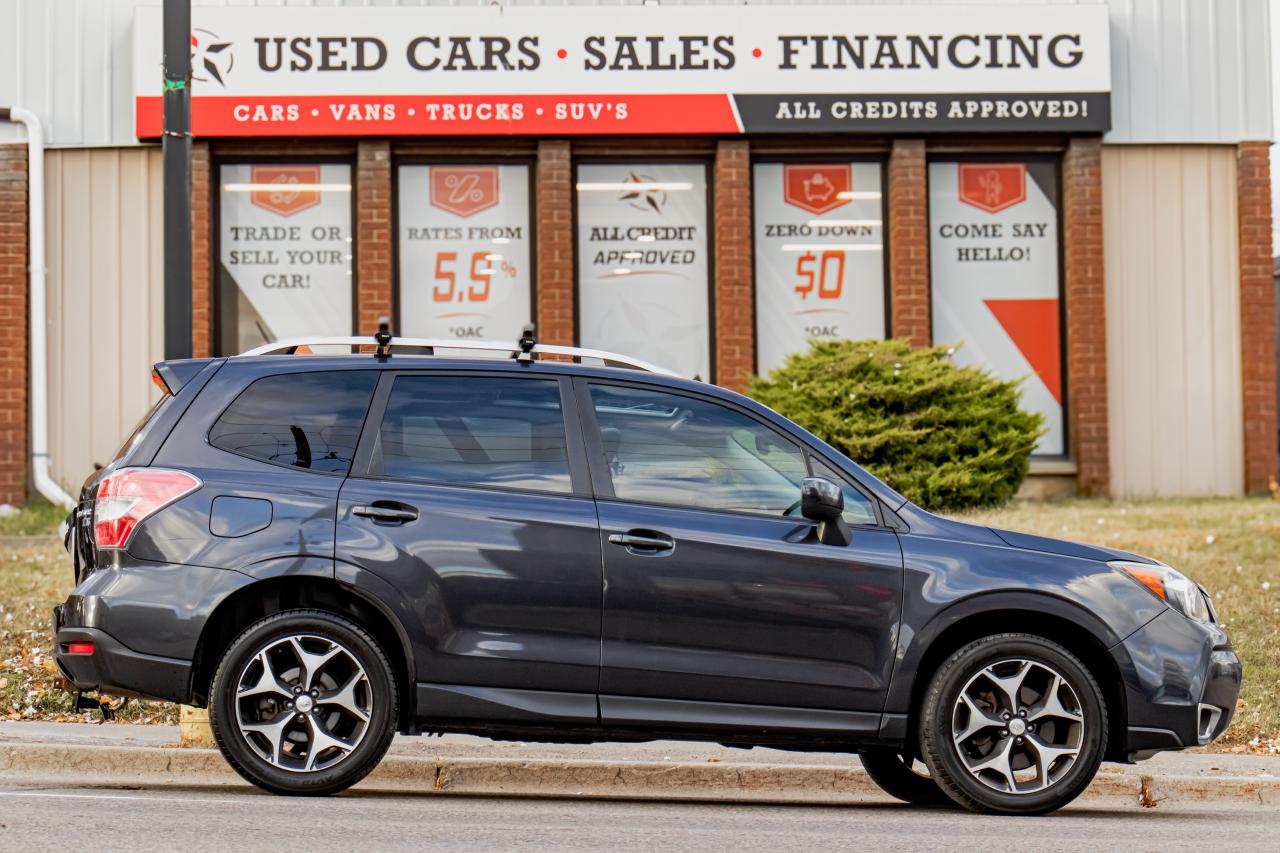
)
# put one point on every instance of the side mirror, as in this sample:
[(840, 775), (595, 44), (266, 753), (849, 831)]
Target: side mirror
[(822, 501)]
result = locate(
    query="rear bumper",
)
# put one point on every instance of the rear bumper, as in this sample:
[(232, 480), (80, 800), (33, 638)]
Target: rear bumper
[(1182, 679), (115, 668)]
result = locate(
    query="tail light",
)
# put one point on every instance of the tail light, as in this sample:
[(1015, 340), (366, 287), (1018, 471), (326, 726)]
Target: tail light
[(130, 496)]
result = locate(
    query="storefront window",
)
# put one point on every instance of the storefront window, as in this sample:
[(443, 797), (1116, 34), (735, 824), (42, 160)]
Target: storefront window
[(819, 246), (996, 277), (465, 251), (643, 271), (285, 253)]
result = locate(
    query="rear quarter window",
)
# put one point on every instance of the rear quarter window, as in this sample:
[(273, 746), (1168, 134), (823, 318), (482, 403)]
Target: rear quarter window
[(299, 420)]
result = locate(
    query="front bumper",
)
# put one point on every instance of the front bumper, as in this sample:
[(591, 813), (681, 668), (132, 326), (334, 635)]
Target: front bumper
[(1182, 679), (115, 668)]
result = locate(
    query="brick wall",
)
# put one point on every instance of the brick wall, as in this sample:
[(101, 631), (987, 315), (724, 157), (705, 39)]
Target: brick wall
[(909, 243), (201, 263), (373, 234), (1257, 314), (734, 335), (13, 314), (1084, 288), (553, 213)]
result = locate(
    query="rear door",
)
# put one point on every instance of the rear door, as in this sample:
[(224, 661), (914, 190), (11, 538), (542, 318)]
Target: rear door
[(471, 500)]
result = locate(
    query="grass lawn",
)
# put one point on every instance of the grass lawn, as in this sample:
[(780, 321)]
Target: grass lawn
[(1230, 546)]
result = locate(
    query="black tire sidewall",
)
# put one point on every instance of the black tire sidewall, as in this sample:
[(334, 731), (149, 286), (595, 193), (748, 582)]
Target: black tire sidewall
[(890, 772), (382, 723), (935, 736)]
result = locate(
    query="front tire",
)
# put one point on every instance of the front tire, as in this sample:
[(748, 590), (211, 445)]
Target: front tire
[(1013, 724), (898, 777), (304, 702)]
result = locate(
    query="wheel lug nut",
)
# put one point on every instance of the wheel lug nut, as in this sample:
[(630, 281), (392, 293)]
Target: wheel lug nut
[(1022, 713), (304, 716), (1019, 740), (1006, 715), (1004, 733)]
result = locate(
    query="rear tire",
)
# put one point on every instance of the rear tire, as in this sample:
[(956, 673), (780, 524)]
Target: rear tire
[(304, 702), (909, 783), (1013, 724)]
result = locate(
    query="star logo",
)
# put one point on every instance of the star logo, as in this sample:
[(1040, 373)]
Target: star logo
[(647, 195), (211, 58)]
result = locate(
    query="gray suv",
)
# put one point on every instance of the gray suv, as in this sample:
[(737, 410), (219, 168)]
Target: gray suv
[(325, 550)]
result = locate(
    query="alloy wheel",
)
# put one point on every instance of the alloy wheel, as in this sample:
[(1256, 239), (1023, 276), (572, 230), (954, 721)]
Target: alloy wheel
[(303, 703), (1018, 726)]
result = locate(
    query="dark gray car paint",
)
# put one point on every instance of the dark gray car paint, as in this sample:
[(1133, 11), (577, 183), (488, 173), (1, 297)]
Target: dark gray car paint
[(446, 598)]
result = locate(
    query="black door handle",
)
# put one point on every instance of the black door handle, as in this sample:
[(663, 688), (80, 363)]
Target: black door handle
[(386, 511), (645, 540)]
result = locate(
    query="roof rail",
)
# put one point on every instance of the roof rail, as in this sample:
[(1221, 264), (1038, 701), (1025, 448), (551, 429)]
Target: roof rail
[(522, 350)]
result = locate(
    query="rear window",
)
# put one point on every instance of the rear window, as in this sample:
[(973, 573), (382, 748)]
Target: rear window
[(302, 420), (135, 434), (474, 431)]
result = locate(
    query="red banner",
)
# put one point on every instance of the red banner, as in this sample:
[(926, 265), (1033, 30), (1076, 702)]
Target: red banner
[(455, 115)]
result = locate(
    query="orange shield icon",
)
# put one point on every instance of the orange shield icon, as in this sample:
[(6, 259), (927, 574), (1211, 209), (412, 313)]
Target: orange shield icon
[(464, 190), (286, 190), (819, 188), (993, 187)]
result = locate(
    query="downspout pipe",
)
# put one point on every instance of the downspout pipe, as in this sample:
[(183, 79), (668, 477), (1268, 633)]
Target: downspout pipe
[(39, 347)]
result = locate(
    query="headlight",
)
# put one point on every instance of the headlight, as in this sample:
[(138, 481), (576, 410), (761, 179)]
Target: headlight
[(1176, 589)]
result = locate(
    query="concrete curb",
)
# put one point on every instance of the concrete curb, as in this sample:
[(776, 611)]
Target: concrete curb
[(711, 781)]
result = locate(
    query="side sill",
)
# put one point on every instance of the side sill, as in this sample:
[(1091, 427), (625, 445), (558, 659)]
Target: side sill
[(639, 710)]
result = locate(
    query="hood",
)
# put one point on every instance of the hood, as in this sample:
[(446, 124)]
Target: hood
[(1065, 548)]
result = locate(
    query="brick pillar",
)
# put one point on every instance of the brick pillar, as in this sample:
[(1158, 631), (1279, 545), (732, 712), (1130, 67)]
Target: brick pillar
[(201, 262), (909, 243), (373, 234), (1257, 314), (553, 200), (734, 311), (1086, 308), (13, 314)]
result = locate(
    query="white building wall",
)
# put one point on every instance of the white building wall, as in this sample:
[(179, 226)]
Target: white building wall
[(1182, 70)]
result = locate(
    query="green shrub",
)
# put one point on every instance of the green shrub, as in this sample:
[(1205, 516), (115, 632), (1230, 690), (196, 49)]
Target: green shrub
[(946, 437)]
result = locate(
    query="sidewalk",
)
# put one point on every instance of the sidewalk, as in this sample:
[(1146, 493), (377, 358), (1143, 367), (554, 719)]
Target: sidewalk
[(120, 753)]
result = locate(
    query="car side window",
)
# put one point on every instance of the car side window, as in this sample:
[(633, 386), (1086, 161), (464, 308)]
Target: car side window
[(474, 431), (685, 451), (858, 508), (301, 420)]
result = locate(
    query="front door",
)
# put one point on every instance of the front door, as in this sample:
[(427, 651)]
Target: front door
[(470, 502), (720, 603)]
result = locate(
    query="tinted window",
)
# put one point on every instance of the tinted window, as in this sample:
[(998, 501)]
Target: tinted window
[(475, 431), (858, 508), (305, 420), (670, 449)]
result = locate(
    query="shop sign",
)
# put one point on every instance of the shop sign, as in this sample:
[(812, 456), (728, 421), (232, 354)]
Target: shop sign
[(643, 272), (465, 250), (819, 248), (498, 69), (285, 240), (995, 272)]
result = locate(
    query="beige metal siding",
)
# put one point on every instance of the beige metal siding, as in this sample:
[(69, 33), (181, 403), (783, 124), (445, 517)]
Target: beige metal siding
[(1173, 320), (105, 300)]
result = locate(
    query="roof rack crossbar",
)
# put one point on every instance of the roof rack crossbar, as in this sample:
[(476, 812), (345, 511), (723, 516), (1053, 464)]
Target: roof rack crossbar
[(512, 349)]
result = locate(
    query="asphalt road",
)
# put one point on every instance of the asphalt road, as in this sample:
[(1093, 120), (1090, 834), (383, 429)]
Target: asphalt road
[(175, 819)]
